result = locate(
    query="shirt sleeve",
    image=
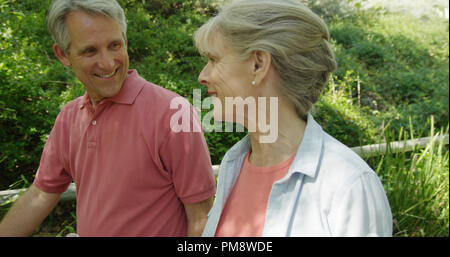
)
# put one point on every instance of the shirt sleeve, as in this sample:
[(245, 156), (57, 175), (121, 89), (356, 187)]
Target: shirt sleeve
[(52, 177), (186, 157), (362, 209)]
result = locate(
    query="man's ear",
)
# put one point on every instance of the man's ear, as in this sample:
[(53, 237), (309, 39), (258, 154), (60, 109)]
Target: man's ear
[(62, 56)]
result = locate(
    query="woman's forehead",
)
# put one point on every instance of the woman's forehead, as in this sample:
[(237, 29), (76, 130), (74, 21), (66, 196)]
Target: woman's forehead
[(216, 45)]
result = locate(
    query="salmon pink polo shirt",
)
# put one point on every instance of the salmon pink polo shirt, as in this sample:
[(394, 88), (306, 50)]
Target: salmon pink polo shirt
[(132, 172)]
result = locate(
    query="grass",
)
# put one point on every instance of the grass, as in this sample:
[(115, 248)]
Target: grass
[(417, 186)]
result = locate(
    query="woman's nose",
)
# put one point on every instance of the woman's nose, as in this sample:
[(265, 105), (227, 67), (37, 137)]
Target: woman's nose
[(203, 77)]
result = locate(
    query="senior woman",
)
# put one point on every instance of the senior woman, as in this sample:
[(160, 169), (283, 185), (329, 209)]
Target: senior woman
[(305, 182)]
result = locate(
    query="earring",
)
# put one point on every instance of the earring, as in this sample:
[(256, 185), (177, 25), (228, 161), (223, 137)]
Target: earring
[(254, 83)]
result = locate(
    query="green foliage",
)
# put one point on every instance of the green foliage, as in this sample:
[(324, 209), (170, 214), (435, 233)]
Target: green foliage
[(32, 82), (402, 63), (339, 118), (371, 54)]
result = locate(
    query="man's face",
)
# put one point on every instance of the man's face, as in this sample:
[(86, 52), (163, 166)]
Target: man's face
[(97, 54)]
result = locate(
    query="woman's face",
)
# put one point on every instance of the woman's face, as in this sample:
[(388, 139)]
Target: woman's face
[(226, 75)]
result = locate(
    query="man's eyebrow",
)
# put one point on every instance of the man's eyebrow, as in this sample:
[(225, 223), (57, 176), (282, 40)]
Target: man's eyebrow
[(117, 40), (88, 47)]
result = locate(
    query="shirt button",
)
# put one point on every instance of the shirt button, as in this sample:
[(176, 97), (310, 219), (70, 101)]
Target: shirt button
[(94, 122)]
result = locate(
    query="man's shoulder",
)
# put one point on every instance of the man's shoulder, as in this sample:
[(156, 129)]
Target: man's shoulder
[(67, 115), (72, 105), (147, 89), (155, 96), (155, 92), (158, 103)]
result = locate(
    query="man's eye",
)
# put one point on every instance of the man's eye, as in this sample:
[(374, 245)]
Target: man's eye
[(90, 51)]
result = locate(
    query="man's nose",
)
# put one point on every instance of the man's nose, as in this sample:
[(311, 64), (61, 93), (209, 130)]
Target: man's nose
[(106, 61)]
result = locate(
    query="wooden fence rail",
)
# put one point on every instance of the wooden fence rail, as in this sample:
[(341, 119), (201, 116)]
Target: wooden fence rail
[(363, 151)]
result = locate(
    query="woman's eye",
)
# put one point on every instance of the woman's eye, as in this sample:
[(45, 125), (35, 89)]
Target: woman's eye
[(212, 59)]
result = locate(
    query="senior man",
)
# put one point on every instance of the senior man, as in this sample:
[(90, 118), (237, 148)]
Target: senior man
[(134, 175)]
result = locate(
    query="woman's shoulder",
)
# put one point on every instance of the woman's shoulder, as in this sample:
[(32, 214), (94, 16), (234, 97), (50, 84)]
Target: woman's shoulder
[(341, 164), (341, 171)]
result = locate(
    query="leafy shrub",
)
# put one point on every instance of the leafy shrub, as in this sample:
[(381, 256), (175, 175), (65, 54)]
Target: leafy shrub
[(32, 82), (368, 53), (347, 36), (342, 118), (402, 66)]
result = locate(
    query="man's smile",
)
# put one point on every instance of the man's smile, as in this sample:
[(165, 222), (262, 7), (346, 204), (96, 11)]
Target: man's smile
[(107, 76)]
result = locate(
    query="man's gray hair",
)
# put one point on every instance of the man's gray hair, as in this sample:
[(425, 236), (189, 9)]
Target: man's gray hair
[(56, 18)]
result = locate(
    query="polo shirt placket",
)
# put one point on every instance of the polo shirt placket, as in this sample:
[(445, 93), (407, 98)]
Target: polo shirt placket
[(93, 127)]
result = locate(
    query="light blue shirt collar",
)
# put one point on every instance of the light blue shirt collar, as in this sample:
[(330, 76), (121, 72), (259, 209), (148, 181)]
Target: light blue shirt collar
[(309, 150)]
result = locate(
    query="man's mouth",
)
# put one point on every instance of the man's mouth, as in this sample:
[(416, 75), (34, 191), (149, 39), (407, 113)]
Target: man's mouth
[(107, 76)]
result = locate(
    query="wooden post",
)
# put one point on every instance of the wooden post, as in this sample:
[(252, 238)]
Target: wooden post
[(359, 92)]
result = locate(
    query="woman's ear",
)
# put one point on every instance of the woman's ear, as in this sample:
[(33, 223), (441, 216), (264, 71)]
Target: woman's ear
[(62, 56), (262, 63)]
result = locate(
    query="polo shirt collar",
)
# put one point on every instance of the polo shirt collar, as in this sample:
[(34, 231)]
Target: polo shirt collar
[(131, 88), (132, 85), (308, 155)]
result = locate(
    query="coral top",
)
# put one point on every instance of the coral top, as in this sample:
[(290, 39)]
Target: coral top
[(245, 211)]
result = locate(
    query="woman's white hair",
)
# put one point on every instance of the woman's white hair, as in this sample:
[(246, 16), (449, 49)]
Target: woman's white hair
[(56, 17), (296, 38)]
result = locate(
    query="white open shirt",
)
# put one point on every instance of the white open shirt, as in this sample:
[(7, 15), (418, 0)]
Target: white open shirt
[(328, 191)]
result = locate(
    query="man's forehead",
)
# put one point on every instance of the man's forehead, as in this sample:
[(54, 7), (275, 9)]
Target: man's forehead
[(81, 20), (90, 29)]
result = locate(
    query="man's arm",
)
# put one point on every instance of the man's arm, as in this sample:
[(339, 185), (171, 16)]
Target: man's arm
[(28, 212), (197, 215)]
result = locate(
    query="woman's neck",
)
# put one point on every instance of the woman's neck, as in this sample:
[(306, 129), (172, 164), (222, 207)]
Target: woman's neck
[(291, 129)]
